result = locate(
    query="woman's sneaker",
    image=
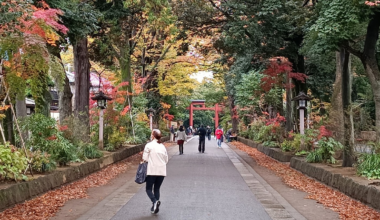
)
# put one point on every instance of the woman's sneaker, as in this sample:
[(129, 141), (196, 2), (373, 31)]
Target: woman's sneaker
[(158, 206), (155, 207)]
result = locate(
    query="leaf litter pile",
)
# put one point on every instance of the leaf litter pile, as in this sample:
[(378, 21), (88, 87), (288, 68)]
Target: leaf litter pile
[(46, 205), (347, 207)]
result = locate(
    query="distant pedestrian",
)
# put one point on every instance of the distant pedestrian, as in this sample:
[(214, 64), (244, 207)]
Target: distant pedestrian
[(172, 133), (209, 131), (202, 138), (181, 138), (229, 134), (157, 157), (219, 136)]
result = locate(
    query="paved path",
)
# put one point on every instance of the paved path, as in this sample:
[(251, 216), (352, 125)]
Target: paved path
[(215, 185)]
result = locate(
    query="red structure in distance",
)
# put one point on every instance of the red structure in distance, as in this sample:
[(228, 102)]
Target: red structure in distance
[(200, 105)]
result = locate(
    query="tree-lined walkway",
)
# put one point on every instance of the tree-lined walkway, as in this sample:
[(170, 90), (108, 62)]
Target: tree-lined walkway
[(213, 185)]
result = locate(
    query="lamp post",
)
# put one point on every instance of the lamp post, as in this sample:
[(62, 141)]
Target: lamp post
[(101, 101), (151, 112), (302, 99)]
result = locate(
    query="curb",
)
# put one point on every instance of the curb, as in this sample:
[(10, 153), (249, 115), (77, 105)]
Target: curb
[(350, 186)]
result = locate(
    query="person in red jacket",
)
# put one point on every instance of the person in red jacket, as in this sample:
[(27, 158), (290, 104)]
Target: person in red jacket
[(219, 136)]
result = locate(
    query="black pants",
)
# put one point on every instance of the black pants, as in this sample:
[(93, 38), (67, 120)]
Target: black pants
[(201, 146), (180, 148), (153, 184)]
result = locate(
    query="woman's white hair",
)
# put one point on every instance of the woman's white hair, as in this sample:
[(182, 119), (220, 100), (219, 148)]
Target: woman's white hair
[(156, 130)]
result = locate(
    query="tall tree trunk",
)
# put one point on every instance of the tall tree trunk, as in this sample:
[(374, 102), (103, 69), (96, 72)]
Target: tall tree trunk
[(21, 112), (368, 58), (125, 64), (65, 101), (336, 124), (234, 115), (20, 107), (64, 92), (42, 101), (292, 116), (8, 126), (348, 152), (82, 83), (371, 66), (288, 115)]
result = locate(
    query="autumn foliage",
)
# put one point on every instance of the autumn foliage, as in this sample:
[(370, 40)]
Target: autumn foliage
[(36, 21), (375, 3), (277, 72)]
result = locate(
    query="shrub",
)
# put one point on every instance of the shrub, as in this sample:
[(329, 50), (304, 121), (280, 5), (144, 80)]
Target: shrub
[(264, 134), (63, 151), (116, 139), (163, 128), (369, 165), (270, 144), (89, 151), (42, 132), (45, 137), (132, 140), (74, 130), (271, 134), (244, 134), (375, 147), (314, 157), (41, 162), (255, 128), (142, 131), (302, 142), (326, 150), (12, 163), (287, 146)]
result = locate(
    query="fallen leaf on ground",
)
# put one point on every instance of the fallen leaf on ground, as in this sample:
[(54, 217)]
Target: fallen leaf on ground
[(46, 205), (346, 207)]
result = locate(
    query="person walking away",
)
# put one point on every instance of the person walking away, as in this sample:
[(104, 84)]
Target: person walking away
[(181, 138), (172, 133), (202, 137), (219, 136), (209, 133), (157, 157)]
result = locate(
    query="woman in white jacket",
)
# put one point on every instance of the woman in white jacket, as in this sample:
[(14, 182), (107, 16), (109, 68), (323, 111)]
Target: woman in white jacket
[(156, 155), (181, 138)]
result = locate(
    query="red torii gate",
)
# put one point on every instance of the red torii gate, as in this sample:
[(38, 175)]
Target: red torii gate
[(195, 106)]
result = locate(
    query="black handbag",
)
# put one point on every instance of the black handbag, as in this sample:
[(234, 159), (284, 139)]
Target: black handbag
[(141, 173)]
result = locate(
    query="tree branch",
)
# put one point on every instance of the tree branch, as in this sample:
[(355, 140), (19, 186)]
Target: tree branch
[(353, 51), (162, 56), (219, 9)]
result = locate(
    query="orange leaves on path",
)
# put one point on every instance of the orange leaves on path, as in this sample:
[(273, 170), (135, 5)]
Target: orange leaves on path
[(46, 205), (347, 207)]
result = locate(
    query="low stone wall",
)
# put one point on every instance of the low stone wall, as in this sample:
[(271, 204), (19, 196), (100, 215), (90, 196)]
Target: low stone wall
[(349, 184), (344, 180), (19, 192), (275, 153)]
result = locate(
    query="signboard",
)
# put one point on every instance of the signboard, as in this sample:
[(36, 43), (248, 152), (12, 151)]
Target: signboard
[(174, 123)]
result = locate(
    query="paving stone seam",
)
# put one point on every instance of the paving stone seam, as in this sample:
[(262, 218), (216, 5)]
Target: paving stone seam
[(259, 187)]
